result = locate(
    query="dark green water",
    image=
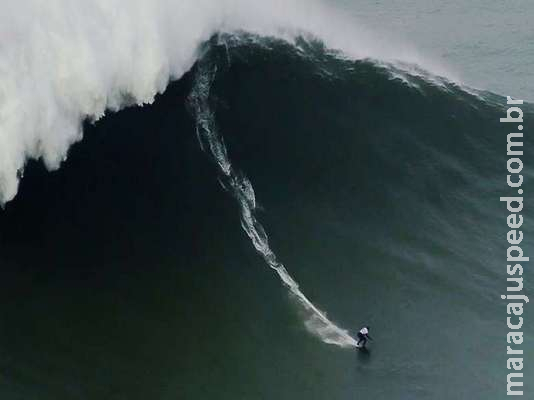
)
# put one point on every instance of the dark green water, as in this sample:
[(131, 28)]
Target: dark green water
[(126, 274)]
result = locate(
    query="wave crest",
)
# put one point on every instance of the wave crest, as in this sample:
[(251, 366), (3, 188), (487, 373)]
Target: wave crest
[(64, 62)]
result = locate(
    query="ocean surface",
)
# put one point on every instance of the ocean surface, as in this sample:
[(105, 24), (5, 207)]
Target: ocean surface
[(228, 240)]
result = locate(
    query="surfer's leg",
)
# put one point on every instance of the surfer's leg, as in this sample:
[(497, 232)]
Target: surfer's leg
[(361, 339)]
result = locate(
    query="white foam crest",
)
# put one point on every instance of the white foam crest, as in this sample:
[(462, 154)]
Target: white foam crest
[(241, 188), (63, 61)]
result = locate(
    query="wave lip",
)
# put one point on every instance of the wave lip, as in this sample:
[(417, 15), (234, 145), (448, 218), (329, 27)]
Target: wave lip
[(66, 62)]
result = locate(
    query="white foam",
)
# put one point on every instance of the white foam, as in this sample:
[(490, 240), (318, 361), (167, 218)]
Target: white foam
[(63, 61), (241, 188)]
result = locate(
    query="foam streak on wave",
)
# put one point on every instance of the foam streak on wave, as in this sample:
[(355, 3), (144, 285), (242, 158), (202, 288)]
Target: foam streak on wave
[(240, 187)]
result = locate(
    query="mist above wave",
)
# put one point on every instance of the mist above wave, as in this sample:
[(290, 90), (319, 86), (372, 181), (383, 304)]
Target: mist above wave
[(64, 61)]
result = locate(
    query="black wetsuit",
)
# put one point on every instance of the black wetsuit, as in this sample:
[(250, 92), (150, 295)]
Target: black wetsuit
[(362, 339)]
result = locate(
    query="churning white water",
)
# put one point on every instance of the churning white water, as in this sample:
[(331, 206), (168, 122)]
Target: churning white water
[(66, 61)]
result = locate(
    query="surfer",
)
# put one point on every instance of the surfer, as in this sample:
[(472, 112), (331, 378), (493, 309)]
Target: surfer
[(363, 336)]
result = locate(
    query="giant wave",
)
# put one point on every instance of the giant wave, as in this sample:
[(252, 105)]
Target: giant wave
[(64, 62)]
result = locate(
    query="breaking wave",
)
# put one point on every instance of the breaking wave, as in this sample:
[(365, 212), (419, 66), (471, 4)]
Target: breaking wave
[(65, 62)]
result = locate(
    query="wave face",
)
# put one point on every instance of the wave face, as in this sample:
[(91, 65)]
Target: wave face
[(66, 62), (241, 188), (126, 274)]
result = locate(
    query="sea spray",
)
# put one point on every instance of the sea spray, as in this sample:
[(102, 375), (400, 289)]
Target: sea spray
[(67, 61), (237, 184)]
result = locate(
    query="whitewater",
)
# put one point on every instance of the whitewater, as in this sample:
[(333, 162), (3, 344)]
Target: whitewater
[(65, 62)]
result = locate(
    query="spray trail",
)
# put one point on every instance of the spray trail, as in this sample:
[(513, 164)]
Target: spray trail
[(240, 187)]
